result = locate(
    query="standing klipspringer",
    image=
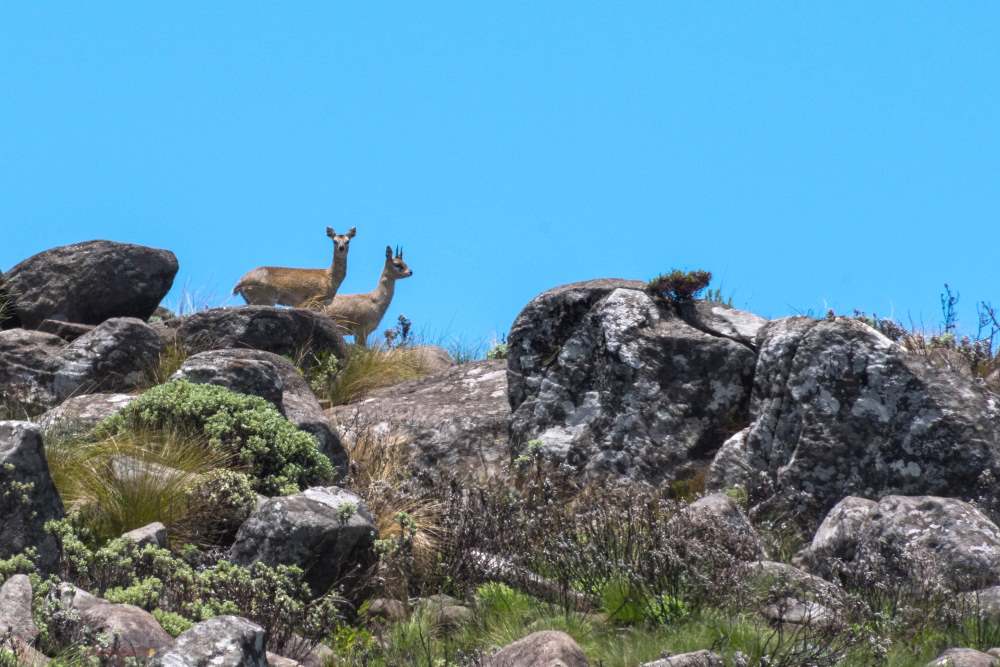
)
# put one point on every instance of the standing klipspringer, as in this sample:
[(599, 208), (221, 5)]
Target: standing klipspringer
[(360, 314)]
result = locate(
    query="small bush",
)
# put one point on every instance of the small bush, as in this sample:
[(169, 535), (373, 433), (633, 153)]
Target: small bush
[(278, 457), (679, 286), (226, 499)]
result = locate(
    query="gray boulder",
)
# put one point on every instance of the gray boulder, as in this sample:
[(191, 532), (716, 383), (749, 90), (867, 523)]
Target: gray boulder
[(925, 538), (40, 370), (615, 382), (154, 534), (549, 648), (274, 379), (454, 422), (695, 659), (68, 331), (294, 332), (78, 415), (839, 410), (326, 531), (91, 282), (28, 498), (133, 632), (15, 609), (718, 517), (223, 641), (964, 657)]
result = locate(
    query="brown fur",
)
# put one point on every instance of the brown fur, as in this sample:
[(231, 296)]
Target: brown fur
[(360, 314)]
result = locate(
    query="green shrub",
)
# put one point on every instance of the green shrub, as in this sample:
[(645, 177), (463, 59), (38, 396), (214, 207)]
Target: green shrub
[(173, 623), (679, 285), (226, 499), (280, 458)]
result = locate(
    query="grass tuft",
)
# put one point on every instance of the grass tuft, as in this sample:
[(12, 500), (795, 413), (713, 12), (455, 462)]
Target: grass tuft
[(364, 370)]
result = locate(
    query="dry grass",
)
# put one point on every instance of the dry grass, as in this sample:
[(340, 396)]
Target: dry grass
[(126, 482), (369, 368), (170, 360)]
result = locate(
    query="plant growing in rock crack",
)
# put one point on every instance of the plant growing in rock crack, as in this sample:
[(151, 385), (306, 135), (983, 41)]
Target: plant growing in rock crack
[(679, 286), (363, 370)]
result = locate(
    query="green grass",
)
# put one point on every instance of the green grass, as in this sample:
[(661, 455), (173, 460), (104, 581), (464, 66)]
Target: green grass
[(364, 370)]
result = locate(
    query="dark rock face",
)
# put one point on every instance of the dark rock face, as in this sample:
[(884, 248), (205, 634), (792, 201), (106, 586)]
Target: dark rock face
[(841, 410), (618, 383), (540, 649), (15, 608), (40, 370), (274, 379), (79, 414), (223, 641), (68, 331), (922, 537), (326, 531), (283, 331), (91, 282), (27, 496), (455, 421)]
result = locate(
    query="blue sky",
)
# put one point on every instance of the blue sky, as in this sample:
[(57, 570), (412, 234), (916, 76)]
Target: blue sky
[(811, 155)]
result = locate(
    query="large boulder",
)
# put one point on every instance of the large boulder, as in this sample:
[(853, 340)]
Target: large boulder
[(616, 382), (926, 538), (15, 609), (39, 370), (454, 422), (91, 282), (964, 657), (842, 410), (326, 531), (293, 332), (78, 415), (717, 517), (274, 379), (28, 498), (132, 632), (549, 648), (223, 641)]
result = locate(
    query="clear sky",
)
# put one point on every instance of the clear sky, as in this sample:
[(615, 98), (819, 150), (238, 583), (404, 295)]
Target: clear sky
[(811, 155)]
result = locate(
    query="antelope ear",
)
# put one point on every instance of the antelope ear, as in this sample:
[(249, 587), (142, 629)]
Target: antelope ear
[(388, 252), (330, 232), (351, 232)]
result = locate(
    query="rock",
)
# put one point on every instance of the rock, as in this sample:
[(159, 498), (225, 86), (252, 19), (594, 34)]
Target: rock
[(91, 282), (28, 498), (433, 358), (223, 641), (326, 531), (68, 331), (454, 422), (717, 516), (383, 609), (295, 332), (839, 410), (154, 534), (274, 660), (793, 611), (964, 657), (540, 649), (40, 370), (919, 537), (77, 415), (731, 468), (274, 379), (615, 382), (15, 609), (695, 659), (132, 631), (446, 613), (786, 593)]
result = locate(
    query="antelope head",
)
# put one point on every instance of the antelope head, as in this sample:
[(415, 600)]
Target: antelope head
[(394, 264), (341, 242)]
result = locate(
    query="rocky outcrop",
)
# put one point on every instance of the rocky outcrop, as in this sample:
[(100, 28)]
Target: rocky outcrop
[(274, 379), (223, 641), (540, 649), (28, 498), (90, 282), (15, 609), (454, 422), (68, 331), (616, 382), (928, 539), (695, 659), (326, 531), (39, 370), (132, 632), (294, 332), (78, 415), (840, 410)]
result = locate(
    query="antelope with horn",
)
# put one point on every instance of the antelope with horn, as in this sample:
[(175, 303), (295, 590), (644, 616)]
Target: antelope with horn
[(360, 314)]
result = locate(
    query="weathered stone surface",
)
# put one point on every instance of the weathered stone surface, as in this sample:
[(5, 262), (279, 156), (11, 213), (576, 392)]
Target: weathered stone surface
[(768, 581), (540, 649), (154, 534), (91, 282), (28, 497), (914, 536), (223, 641), (384, 609), (455, 422), (445, 612), (433, 358), (326, 531), (274, 379), (79, 414), (695, 659), (717, 515), (274, 660), (840, 410), (615, 382), (285, 331), (40, 370), (133, 631), (838, 534), (731, 468), (15, 609), (964, 657), (68, 331)]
